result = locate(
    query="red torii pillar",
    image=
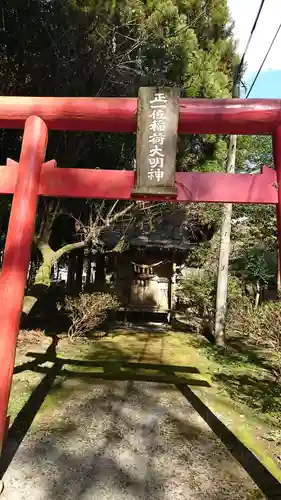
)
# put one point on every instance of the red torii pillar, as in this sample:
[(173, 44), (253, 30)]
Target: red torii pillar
[(276, 142), (17, 253), (197, 116)]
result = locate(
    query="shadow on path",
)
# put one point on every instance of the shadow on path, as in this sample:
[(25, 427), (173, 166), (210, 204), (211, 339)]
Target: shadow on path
[(107, 370), (25, 417), (119, 370), (256, 470)]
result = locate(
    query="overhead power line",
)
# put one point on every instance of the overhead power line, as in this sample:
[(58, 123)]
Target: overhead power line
[(240, 66), (264, 59)]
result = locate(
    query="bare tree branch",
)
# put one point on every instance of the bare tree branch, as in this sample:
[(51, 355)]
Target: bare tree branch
[(51, 212), (119, 215), (69, 248), (112, 208)]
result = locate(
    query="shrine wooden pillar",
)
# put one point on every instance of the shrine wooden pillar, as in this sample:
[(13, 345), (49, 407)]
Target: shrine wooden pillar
[(276, 139)]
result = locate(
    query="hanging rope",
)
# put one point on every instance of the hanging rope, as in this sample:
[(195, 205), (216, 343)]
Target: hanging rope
[(145, 269)]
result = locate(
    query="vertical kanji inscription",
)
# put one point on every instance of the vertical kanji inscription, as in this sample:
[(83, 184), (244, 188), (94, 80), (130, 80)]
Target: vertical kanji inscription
[(158, 113)]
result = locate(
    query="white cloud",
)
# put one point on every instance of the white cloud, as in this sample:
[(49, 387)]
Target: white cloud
[(243, 12)]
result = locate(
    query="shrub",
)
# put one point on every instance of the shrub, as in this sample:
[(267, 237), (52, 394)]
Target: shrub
[(30, 336), (256, 265), (197, 294), (261, 325), (87, 311)]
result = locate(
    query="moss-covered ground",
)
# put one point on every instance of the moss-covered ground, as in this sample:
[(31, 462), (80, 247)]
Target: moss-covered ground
[(237, 386)]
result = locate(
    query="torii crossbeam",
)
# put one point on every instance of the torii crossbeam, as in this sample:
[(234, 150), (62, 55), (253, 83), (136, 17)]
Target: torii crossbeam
[(32, 177)]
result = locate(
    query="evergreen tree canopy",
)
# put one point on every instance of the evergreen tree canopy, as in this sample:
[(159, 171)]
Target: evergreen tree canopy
[(111, 48)]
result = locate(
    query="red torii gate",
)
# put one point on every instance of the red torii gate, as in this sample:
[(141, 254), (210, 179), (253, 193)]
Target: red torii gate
[(32, 177)]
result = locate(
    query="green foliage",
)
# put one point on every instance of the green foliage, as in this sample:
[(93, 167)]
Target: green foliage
[(261, 326), (258, 326), (257, 226), (255, 264), (111, 48), (89, 47), (197, 294), (253, 152), (87, 311), (254, 236)]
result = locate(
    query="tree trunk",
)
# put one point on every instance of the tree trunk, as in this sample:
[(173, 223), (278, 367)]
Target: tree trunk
[(58, 272), (88, 272), (71, 273), (79, 270), (32, 271), (50, 257), (100, 272), (225, 245), (43, 276), (44, 273), (258, 294), (42, 282), (278, 276)]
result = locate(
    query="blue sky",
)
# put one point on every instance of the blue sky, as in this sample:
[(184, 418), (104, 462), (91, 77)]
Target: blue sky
[(268, 85), (243, 12)]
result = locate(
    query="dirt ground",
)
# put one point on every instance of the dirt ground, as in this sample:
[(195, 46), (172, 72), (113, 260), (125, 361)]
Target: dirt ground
[(125, 441), (119, 431)]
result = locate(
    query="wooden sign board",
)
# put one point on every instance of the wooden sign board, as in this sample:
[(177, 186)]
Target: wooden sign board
[(157, 131)]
